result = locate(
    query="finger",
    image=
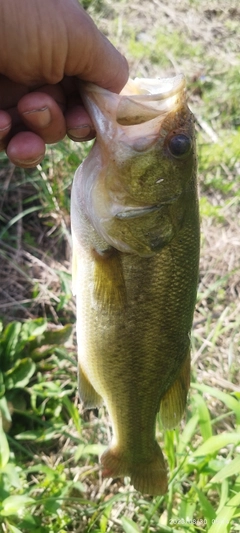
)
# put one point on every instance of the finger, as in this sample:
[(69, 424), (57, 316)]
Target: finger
[(26, 149), (42, 115), (5, 126), (100, 63), (79, 125)]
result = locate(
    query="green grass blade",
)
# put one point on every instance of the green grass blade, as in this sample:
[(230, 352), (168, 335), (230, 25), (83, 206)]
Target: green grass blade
[(18, 217), (129, 526), (232, 403), (231, 469), (187, 434), (223, 519), (207, 508), (215, 443), (13, 529), (204, 416)]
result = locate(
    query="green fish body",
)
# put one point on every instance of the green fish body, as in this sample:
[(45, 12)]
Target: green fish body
[(135, 229)]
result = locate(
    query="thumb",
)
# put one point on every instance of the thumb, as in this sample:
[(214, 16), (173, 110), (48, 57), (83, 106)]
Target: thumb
[(92, 57)]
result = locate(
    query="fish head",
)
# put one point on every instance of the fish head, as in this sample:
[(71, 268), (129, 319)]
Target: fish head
[(143, 166)]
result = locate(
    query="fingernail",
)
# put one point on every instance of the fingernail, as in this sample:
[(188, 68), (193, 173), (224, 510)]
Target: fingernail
[(2, 130), (40, 118), (28, 163), (80, 133)]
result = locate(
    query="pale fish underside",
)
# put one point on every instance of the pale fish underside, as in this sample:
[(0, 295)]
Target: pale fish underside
[(135, 232)]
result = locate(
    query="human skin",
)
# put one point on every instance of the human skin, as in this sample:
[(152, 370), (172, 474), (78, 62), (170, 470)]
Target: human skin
[(46, 47)]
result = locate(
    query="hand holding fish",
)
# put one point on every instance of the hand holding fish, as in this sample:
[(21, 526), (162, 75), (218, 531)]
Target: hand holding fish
[(46, 45)]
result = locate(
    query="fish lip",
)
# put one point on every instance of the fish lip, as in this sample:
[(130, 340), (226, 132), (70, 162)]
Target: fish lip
[(135, 212), (157, 89)]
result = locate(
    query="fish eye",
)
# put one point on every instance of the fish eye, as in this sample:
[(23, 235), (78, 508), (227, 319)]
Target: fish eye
[(179, 145)]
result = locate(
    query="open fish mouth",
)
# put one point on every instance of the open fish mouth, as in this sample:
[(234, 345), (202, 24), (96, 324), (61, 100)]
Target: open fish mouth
[(144, 99), (140, 100), (137, 212)]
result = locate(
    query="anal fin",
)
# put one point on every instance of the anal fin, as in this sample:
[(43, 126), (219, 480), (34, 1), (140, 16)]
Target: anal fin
[(173, 402), (89, 397)]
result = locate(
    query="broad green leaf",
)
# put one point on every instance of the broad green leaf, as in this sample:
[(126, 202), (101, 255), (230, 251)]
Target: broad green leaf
[(15, 505), (50, 390), (215, 443), (31, 334), (223, 519), (5, 415), (9, 344), (38, 354), (4, 449), (44, 345), (129, 526), (20, 374), (33, 328), (58, 336), (11, 474), (5, 410), (204, 416), (94, 449), (89, 449), (231, 469), (187, 509), (39, 435)]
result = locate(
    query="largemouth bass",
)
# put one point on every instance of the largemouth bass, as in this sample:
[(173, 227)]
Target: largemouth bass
[(135, 230)]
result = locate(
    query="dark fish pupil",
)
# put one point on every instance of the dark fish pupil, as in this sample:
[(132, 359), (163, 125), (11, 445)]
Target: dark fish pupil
[(179, 145)]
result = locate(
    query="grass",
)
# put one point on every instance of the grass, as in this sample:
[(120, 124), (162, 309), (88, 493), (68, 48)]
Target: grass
[(50, 480)]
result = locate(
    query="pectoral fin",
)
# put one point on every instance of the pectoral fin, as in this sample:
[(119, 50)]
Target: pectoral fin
[(109, 284), (89, 397), (173, 402)]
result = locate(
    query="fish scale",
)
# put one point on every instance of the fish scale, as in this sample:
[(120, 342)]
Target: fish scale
[(135, 272)]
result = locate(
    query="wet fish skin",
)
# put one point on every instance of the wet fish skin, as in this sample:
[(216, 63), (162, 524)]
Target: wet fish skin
[(135, 233)]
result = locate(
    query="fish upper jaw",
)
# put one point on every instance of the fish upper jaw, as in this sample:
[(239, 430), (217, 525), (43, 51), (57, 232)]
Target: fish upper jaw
[(141, 100)]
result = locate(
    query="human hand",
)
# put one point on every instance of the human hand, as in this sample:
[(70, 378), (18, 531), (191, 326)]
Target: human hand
[(45, 48)]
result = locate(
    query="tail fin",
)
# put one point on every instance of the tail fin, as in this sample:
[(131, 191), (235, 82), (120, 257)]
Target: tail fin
[(149, 477)]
